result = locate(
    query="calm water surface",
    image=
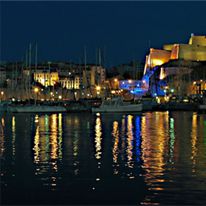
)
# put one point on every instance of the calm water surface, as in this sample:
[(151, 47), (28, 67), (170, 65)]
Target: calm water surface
[(150, 159)]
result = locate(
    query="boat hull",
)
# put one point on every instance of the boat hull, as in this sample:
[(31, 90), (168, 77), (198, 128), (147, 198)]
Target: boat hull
[(131, 108), (202, 108), (35, 109)]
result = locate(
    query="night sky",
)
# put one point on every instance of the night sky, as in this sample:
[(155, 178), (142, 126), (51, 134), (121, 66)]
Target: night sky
[(122, 29)]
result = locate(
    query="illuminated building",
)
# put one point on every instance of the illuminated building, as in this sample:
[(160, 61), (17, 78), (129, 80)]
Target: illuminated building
[(197, 40), (128, 84), (72, 82), (195, 50), (47, 77), (176, 66), (93, 75), (156, 57)]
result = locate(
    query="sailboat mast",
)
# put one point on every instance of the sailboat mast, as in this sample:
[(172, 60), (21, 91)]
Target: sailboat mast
[(36, 50), (85, 57), (100, 59), (29, 70)]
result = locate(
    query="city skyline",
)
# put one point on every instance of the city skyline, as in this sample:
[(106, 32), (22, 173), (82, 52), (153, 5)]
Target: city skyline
[(124, 30)]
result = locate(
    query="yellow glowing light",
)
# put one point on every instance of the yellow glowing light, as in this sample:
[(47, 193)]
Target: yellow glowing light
[(36, 119), (115, 134), (113, 92), (53, 137), (2, 93), (36, 146), (13, 135), (129, 81), (162, 73), (194, 83), (60, 97), (158, 100), (116, 80), (98, 138), (36, 89), (156, 62), (130, 137), (167, 98), (98, 88)]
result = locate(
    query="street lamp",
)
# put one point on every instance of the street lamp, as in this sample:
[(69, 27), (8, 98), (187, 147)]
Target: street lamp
[(98, 88), (36, 90), (2, 94)]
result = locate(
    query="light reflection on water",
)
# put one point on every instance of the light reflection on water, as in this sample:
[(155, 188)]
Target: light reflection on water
[(68, 151), (98, 138)]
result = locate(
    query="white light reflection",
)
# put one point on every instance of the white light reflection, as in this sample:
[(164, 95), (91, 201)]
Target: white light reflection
[(98, 134), (154, 147), (115, 134), (48, 147), (2, 125), (194, 140), (60, 132), (36, 146), (172, 139), (13, 134), (130, 139)]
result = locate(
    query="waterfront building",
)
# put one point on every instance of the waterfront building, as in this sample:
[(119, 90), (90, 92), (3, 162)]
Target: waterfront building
[(156, 57), (46, 77), (195, 50), (93, 75), (70, 82), (176, 69)]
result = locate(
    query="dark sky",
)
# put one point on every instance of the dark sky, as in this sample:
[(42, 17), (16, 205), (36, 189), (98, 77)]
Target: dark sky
[(123, 29)]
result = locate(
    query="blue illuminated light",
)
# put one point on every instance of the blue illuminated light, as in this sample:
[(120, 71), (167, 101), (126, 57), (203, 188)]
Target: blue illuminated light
[(138, 138), (148, 83)]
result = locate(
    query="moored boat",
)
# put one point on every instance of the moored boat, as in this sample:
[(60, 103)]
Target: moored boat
[(35, 108), (117, 105)]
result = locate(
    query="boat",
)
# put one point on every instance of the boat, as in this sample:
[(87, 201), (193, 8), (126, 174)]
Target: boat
[(3, 106), (117, 105), (35, 109), (148, 103), (202, 106)]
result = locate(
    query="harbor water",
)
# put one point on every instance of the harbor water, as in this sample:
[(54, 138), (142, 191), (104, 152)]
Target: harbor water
[(147, 158)]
